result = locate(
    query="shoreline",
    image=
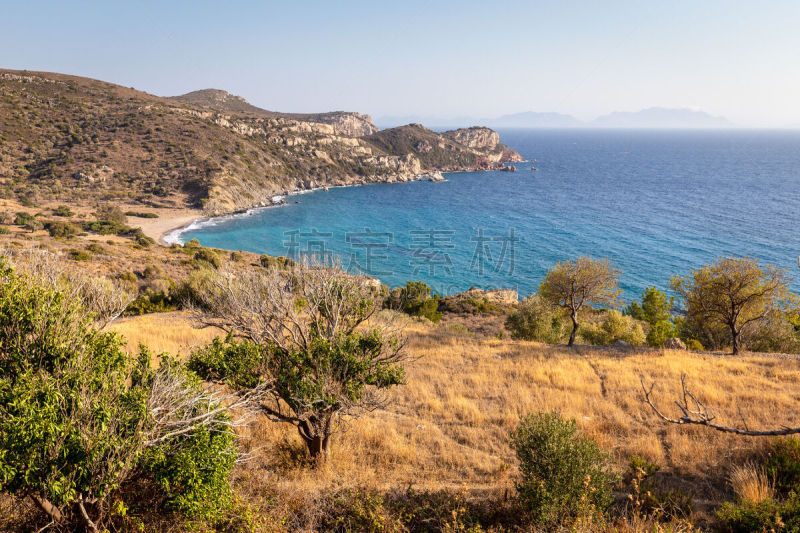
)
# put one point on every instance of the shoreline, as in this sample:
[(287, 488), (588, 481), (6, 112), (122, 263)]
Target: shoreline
[(180, 224)]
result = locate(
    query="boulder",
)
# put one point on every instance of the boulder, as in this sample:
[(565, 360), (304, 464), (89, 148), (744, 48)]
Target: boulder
[(674, 343)]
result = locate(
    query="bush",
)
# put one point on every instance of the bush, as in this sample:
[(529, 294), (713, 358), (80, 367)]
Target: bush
[(208, 257), (656, 310), (141, 214), (82, 420), (5, 231), (614, 327), (415, 299), (563, 474), (767, 515), (63, 211), (279, 262), (22, 218), (783, 464), (62, 229), (537, 320), (79, 255)]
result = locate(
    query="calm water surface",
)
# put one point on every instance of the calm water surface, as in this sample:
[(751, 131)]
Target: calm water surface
[(656, 203)]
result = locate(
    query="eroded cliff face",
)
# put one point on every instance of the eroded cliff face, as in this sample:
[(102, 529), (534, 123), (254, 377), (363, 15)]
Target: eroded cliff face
[(350, 124), (475, 137)]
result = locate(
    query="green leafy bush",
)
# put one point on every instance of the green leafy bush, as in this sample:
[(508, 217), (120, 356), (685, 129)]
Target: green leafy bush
[(537, 320), (61, 229), (768, 515), (416, 299), (79, 255), (614, 326), (63, 211), (563, 474), (81, 418), (783, 464), (279, 262), (206, 256), (656, 311)]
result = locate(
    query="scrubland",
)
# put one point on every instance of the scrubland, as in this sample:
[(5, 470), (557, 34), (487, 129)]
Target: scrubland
[(447, 430)]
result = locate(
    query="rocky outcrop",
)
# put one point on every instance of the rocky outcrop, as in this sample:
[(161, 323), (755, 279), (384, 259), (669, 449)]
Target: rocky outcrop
[(674, 343), (349, 124), (475, 137)]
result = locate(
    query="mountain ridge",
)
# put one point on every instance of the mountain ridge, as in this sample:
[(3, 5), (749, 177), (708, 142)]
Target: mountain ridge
[(84, 141), (659, 117)]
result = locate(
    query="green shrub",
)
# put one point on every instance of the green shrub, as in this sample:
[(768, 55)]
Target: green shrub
[(79, 415), (278, 262), (193, 475), (415, 299), (141, 214), (22, 218), (563, 474), (537, 320), (768, 516), (63, 211), (4, 231), (614, 326), (783, 464), (208, 257), (62, 229), (357, 510), (694, 345), (96, 248), (656, 311), (79, 255)]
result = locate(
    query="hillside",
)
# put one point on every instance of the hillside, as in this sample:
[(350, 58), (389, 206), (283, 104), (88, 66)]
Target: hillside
[(84, 142), (451, 150), (343, 122)]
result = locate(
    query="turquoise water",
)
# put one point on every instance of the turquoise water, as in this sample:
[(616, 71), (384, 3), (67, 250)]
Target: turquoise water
[(656, 203)]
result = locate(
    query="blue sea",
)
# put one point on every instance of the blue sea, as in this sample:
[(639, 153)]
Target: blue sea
[(655, 203)]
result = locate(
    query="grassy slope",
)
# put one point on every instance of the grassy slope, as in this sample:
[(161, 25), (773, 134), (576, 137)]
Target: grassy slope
[(448, 427)]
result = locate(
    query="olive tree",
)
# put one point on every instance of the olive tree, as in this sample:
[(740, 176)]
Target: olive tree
[(307, 337), (574, 284), (735, 292)]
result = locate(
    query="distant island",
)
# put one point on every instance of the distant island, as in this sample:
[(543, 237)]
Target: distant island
[(653, 118)]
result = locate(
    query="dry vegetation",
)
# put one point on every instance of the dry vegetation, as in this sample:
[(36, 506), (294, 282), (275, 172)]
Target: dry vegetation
[(448, 428)]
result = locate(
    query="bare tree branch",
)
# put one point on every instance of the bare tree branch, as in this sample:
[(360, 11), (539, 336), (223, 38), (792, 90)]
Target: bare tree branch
[(693, 411)]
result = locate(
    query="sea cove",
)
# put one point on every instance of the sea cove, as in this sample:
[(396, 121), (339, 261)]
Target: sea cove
[(656, 203)]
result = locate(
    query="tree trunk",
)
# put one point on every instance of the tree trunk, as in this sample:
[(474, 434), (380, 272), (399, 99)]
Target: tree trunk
[(319, 448), (574, 317), (52, 511), (735, 339)]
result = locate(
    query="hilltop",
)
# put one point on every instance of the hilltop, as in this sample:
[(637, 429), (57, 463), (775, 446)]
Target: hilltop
[(86, 142)]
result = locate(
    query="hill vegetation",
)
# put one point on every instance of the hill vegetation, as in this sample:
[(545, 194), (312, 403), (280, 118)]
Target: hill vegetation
[(77, 140)]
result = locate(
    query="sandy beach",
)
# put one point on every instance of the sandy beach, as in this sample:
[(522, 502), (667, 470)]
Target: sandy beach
[(167, 221)]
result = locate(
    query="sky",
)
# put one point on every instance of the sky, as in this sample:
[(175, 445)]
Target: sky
[(740, 60)]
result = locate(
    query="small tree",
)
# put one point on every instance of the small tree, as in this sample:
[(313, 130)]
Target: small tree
[(573, 284), (656, 310), (735, 293), (307, 340)]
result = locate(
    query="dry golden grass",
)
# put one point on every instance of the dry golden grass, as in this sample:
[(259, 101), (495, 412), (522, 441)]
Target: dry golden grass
[(751, 483), (448, 427), (163, 332)]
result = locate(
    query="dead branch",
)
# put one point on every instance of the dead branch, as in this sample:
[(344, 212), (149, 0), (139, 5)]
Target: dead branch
[(693, 411)]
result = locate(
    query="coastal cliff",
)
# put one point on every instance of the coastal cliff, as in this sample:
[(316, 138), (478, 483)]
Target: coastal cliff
[(88, 142)]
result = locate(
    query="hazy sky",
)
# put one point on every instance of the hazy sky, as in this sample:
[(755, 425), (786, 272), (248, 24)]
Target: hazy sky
[(736, 59)]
